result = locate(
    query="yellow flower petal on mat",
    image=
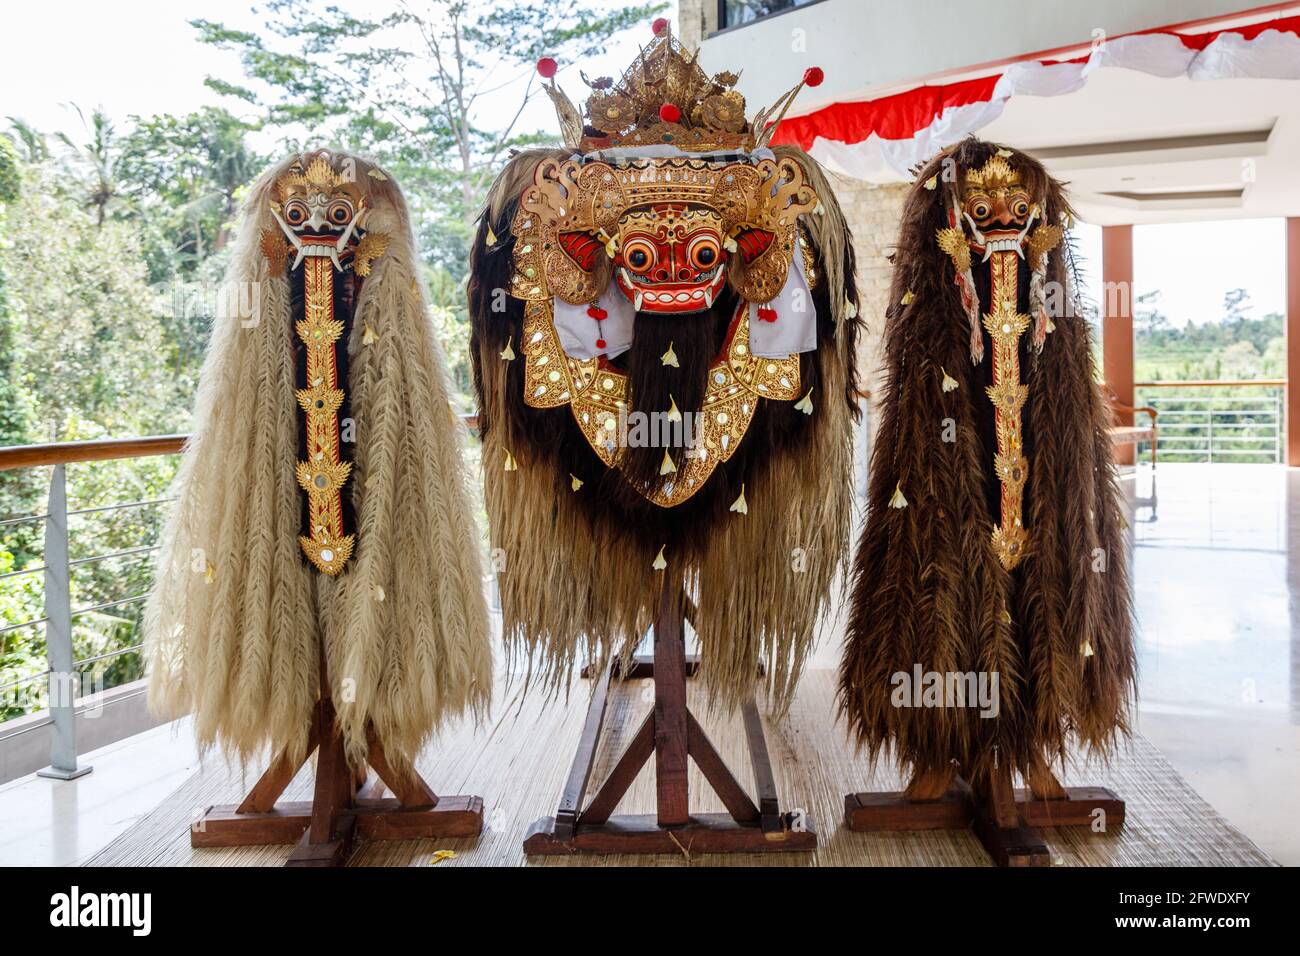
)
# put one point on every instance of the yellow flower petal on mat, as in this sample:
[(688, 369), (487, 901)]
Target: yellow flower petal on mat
[(740, 505), (897, 500), (441, 855)]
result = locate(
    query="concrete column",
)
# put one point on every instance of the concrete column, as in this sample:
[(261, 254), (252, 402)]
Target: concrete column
[(1292, 410), (1117, 321)]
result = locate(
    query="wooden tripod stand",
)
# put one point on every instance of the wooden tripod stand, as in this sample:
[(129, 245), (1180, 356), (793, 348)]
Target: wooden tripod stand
[(348, 803), (671, 733), (1003, 818)]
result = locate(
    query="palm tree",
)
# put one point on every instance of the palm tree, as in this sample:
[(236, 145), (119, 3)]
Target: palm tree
[(98, 157)]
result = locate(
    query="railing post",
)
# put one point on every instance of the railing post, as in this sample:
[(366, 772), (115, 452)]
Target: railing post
[(1209, 426), (1277, 426), (58, 637)]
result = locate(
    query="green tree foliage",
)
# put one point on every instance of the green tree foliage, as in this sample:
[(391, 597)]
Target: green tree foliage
[(1241, 422), (405, 88)]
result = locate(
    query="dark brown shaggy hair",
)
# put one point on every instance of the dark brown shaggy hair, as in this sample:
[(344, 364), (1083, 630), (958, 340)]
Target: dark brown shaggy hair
[(579, 579), (927, 586)]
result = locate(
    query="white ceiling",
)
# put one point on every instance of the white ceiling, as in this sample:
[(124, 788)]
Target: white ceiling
[(1142, 149)]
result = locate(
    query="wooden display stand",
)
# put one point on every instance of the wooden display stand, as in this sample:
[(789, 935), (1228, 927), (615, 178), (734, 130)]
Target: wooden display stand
[(346, 805), (671, 733), (1002, 817)]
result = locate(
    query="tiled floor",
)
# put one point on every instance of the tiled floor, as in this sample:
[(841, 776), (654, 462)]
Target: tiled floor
[(47, 822), (1218, 598)]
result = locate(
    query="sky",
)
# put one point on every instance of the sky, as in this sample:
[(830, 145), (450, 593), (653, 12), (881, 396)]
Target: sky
[(141, 57)]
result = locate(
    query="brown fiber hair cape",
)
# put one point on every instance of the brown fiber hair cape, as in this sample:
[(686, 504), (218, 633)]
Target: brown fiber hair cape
[(927, 587), (575, 566)]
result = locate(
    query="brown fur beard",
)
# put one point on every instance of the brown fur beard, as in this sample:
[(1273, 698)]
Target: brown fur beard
[(655, 387)]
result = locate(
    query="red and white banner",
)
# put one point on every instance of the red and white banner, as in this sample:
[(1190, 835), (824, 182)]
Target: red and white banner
[(881, 140)]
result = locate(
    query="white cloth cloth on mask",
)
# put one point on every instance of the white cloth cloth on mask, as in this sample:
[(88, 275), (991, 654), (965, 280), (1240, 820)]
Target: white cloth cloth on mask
[(795, 327), (578, 331)]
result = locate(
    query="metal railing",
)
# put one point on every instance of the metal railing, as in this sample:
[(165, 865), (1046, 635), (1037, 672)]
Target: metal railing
[(1218, 420), (63, 668)]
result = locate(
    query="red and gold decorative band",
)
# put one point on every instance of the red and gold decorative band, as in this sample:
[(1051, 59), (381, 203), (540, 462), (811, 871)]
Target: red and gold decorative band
[(1005, 324), (323, 475)]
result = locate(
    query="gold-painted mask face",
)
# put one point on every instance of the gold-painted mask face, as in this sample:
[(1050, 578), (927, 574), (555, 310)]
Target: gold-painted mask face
[(996, 204), (576, 211), (317, 201)]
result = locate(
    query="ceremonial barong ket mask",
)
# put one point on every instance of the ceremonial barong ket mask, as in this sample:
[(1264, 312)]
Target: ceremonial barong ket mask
[(674, 230), (668, 200)]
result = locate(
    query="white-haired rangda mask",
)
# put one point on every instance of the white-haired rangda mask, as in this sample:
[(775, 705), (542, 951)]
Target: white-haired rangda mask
[(322, 505), (664, 315)]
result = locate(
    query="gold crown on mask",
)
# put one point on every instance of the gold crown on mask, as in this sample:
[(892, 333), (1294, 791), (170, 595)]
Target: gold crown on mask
[(666, 98), (996, 173)]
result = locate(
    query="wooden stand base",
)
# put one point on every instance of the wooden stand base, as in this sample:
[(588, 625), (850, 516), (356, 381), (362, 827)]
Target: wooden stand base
[(347, 805), (1002, 818), (670, 733)]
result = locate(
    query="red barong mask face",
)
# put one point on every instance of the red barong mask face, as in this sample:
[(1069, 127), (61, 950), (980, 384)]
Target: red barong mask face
[(670, 258)]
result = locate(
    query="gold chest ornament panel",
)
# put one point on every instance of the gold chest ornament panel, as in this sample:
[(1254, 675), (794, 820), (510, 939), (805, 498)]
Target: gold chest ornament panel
[(596, 393)]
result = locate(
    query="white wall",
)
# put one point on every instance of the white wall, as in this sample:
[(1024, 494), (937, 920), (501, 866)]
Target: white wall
[(870, 45)]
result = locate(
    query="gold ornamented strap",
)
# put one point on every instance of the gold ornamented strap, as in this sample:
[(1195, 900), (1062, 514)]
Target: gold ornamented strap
[(1005, 325), (324, 473)]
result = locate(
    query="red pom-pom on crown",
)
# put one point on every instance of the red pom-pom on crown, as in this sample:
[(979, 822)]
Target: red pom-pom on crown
[(813, 76), (669, 113), (659, 25), (547, 67)]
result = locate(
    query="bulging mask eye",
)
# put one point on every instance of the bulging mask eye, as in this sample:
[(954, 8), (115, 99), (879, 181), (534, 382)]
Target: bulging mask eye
[(639, 255), (980, 208), (296, 212), (339, 213), (704, 253), (1019, 206)]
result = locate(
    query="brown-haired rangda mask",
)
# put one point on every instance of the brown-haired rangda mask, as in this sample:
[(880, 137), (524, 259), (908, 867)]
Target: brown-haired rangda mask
[(998, 549), (666, 263)]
